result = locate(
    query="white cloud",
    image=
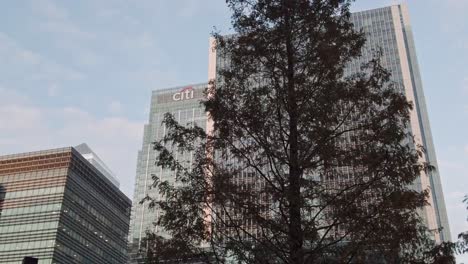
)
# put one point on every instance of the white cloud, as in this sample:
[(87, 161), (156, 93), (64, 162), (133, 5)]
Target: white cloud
[(17, 117), (65, 33), (53, 90), (10, 95), (453, 18), (108, 13), (155, 77), (131, 20), (25, 127), (141, 41), (28, 56), (114, 107), (65, 28), (28, 62), (49, 9), (457, 5), (456, 195), (465, 84), (56, 19), (86, 57), (189, 8), (450, 165), (74, 113), (111, 14)]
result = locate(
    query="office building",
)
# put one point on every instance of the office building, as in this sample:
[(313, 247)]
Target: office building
[(184, 104), (57, 207), (386, 28), (389, 29), (94, 159)]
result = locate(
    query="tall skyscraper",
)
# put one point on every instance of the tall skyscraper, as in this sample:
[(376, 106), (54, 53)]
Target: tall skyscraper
[(184, 104), (387, 29), (56, 206)]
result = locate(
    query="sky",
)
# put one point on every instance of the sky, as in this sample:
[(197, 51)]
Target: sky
[(83, 71)]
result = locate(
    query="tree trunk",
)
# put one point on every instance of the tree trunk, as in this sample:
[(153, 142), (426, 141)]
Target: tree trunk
[(295, 229)]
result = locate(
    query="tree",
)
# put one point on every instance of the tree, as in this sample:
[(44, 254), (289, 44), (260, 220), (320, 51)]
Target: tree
[(304, 164), (462, 245), (446, 250)]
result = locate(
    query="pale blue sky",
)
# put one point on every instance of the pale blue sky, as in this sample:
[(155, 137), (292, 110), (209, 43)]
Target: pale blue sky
[(82, 71)]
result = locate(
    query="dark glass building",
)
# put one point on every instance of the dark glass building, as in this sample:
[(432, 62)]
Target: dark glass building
[(59, 208)]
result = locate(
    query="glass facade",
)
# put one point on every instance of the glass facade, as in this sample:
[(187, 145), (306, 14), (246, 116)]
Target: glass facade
[(184, 104), (388, 29), (57, 207)]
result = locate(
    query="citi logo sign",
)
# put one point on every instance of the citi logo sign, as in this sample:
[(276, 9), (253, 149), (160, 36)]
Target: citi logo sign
[(184, 94)]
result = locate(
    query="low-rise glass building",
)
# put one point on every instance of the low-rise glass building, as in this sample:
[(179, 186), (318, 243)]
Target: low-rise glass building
[(58, 207)]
